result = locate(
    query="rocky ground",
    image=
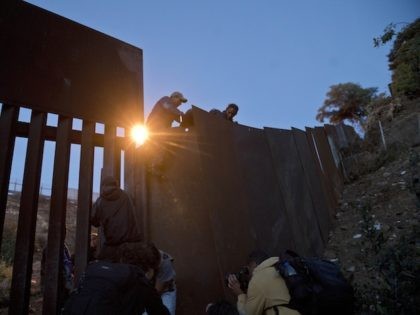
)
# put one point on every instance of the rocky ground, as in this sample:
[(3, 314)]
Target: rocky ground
[(377, 235), (11, 220)]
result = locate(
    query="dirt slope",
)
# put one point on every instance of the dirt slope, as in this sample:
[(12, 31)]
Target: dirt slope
[(377, 235)]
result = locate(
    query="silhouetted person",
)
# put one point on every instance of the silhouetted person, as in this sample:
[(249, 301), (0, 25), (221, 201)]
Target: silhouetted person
[(159, 121), (228, 114), (114, 212), (119, 286), (165, 112), (67, 273), (165, 282)]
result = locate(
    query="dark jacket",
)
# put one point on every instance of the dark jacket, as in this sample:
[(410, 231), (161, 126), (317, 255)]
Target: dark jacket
[(163, 114), (114, 211), (112, 288)]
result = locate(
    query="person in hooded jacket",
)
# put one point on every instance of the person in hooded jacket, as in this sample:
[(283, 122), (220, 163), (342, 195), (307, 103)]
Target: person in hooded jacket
[(113, 211), (267, 292)]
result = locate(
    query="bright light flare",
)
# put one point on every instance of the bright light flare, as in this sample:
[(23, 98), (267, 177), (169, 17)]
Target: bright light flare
[(140, 134)]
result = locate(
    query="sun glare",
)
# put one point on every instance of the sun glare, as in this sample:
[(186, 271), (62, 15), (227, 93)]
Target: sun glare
[(139, 134)]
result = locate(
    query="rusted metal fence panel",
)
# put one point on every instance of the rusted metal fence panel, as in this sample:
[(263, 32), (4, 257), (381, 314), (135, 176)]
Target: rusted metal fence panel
[(24, 249), (179, 222), (291, 176), (333, 141), (8, 119), (269, 222), (226, 190), (326, 183), (329, 167), (57, 220), (316, 191), (56, 65)]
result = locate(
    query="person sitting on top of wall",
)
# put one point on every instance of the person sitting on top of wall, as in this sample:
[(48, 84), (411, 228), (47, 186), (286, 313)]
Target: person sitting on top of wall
[(165, 112), (228, 114)]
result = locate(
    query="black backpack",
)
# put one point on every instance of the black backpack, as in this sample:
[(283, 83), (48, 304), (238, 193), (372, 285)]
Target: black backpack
[(316, 285), (107, 288)]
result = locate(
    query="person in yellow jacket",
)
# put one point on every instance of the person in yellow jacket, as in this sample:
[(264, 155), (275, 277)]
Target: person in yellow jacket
[(267, 290)]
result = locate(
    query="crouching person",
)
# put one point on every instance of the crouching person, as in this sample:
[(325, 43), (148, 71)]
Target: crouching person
[(267, 292), (119, 286), (165, 282)]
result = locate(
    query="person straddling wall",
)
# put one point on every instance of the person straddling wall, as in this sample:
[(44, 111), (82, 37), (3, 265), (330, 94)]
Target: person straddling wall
[(165, 112), (266, 291), (159, 121), (113, 211), (228, 114)]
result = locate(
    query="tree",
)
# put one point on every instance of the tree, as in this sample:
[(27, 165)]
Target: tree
[(404, 58), (346, 101), (387, 35)]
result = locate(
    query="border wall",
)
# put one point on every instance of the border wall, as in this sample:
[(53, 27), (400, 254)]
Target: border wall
[(229, 189)]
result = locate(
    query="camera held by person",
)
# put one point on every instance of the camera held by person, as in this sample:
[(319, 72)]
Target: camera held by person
[(243, 276)]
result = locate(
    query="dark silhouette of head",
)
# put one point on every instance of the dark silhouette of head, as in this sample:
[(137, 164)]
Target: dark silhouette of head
[(142, 254), (255, 258), (109, 181), (177, 98)]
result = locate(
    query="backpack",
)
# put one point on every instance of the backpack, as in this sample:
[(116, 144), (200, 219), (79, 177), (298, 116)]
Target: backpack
[(107, 288), (316, 285)]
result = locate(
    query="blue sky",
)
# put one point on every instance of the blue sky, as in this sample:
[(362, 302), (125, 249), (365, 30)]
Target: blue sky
[(276, 59)]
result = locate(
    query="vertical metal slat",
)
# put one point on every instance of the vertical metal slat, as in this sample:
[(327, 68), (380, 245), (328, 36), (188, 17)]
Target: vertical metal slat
[(8, 119), (84, 199), (22, 267), (56, 229), (135, 185), (315, 188), (321, 169), (110, 161)]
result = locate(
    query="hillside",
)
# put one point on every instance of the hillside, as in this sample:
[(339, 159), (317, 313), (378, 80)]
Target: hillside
[(377, 235)]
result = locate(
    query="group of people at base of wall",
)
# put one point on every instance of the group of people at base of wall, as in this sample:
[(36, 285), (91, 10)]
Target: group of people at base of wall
[(131, 276)]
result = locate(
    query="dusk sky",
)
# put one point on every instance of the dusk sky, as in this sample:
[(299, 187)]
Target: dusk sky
[(276, 59)]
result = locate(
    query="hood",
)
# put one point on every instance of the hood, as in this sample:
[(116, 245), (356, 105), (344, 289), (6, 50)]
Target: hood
[(110, 189), (110, 193)]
